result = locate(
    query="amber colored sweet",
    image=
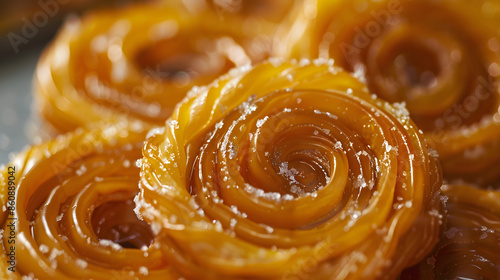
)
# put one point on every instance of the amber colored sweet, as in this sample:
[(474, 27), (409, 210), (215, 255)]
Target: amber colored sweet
[(138, 62), (468, 247), (440, 57), (74, 210), (290, 171)]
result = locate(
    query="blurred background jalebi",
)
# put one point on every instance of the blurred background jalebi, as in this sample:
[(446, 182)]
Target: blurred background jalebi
[(170, 46), (138, 62), (442, 58)]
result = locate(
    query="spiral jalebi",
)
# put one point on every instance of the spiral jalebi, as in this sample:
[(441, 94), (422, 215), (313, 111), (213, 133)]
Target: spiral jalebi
[(290, 170), (70, 213), (138, 62)]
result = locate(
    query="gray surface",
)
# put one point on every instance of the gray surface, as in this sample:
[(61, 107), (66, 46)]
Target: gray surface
[(16, 125)]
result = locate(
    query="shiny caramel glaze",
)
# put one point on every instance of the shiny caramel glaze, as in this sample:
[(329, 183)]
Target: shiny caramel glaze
[(290, 171), (440, 57), (74, 210), (138, 62), (469, 242)]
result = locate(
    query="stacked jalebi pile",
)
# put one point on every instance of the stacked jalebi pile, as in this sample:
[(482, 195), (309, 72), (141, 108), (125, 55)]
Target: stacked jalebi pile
[(328, 168)]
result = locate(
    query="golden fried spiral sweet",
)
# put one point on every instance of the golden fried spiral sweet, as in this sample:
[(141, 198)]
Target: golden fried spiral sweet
[(440, 57), (468, 247), (289, 171), (138, 62), (73, 211)]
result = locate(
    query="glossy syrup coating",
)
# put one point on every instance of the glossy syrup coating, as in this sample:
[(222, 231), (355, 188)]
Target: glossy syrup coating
[(290, 170), (74, 210), (468, 246), (138, 62), (441, 57)]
